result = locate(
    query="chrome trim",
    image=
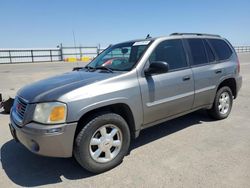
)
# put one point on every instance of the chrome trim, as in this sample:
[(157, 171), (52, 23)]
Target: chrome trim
[(18, 114)]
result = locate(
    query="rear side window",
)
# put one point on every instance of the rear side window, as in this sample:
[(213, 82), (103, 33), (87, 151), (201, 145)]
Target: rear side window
[(172, 52), (210, 54), (221, 48), (197, 51)]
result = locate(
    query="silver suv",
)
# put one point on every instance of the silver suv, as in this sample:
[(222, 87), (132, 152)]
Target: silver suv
[(94, 112)]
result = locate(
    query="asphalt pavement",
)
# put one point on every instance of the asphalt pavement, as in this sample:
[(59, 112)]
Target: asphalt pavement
[(190, 151)]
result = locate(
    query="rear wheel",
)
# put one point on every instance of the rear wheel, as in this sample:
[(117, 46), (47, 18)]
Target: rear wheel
[(102, 143), (222, 104)]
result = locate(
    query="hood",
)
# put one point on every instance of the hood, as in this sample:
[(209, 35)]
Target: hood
[(52, 88)]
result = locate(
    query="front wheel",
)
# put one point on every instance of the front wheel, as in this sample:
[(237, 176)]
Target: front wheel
[(223, 103), (102, 143)]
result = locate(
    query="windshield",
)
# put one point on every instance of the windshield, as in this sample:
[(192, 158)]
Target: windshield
[(120, 57)]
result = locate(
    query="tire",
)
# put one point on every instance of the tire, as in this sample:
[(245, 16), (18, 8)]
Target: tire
[(217, 112), (105, 146)]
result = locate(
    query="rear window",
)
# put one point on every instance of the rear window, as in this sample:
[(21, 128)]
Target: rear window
[(197, 51), (221, 48)]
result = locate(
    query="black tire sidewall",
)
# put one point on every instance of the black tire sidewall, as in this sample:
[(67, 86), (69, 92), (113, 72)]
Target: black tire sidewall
[(218, 94), (84, 137)]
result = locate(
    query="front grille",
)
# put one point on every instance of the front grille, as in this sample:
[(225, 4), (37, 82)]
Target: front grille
[(20, 107)]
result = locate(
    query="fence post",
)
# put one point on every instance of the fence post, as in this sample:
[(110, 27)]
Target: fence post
[(32, 57), (50, 53), (98, 49), (10, 56), (80, 52), (61, 51)]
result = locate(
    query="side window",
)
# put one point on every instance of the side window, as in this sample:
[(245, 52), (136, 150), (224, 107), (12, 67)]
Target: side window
[(136, 53), (210, 54), (119, 52), (172, 52), (221, 48), (197, 51)]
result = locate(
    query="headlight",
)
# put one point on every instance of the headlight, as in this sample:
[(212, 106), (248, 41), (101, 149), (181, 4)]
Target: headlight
[(50, 113)]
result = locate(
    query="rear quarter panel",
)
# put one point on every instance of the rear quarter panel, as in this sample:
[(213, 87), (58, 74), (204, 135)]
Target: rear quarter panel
[(229, 71)]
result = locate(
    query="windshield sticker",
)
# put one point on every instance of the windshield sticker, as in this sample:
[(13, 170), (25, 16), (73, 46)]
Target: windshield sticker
[(141, 43)]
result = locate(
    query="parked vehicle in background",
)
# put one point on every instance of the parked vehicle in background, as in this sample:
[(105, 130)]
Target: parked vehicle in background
[(94, 113)]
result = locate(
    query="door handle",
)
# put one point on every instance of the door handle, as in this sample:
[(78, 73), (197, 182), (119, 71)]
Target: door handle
[(186, 78), (219, 71)]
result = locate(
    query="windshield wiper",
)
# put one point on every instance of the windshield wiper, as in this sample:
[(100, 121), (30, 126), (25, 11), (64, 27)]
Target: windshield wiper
[(77, 68), (104, 68), (89, 68)]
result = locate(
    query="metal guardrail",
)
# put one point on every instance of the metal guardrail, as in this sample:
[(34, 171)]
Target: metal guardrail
[(61, 53), (242, 49), (29, 55), (79, 52), (47, 55)]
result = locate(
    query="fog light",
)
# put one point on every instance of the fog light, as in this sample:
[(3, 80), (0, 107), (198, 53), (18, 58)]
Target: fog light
[(34, 146)]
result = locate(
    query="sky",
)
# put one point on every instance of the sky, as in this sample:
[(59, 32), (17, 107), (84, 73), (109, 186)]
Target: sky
[(47, 23)]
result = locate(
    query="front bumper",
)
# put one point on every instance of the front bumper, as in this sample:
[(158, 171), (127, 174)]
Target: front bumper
[(46, 140)]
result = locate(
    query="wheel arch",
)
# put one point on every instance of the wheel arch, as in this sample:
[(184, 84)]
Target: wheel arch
[(231, 83), (121, 109)]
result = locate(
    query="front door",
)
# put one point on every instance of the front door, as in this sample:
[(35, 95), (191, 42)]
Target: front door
[(170, 93)]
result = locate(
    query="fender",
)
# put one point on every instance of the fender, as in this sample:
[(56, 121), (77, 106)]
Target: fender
[(138, 118)]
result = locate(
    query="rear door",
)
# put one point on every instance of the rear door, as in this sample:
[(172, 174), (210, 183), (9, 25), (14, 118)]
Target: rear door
[(206, 71), (170, 93)]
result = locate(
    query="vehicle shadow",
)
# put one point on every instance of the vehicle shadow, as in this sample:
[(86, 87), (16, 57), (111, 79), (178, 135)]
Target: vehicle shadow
[(158, 131), (4, 113), (27, 169)]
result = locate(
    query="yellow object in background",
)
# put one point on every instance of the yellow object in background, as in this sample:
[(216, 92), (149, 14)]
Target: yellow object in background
[(85, 59), (71, 59)]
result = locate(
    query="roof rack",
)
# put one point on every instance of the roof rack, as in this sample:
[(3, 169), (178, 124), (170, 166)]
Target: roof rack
[(198, 34)]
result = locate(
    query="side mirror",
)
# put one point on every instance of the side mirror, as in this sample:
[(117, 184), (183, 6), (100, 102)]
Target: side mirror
[(157, 67)]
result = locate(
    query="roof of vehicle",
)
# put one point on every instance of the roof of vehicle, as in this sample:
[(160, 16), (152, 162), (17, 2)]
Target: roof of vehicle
[(179, 35), (189, 35), (195, 34)]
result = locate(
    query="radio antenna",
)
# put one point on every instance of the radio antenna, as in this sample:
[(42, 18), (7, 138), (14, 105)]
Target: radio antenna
[(148, 36), (74, 37)]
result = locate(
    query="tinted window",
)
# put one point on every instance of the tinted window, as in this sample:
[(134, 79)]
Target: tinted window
[(172, 52), (221, 48), (197, 51), (209, 51)]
